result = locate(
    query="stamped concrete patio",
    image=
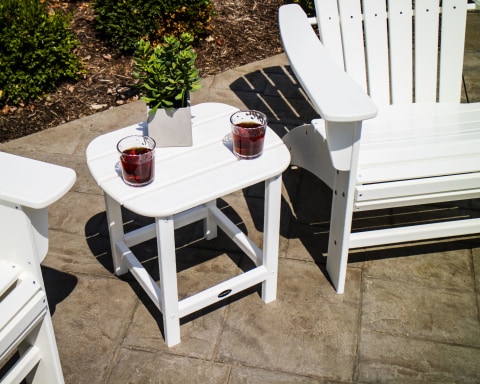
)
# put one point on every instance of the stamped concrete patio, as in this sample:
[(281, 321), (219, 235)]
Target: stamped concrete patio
[(410, 314)]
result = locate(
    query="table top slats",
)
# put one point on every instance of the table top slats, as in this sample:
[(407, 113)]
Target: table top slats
[(187, 176)]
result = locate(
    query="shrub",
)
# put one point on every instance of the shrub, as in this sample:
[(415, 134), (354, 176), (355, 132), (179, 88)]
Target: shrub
[(192, 16), (307, 5), (36, 50), (124, 22)]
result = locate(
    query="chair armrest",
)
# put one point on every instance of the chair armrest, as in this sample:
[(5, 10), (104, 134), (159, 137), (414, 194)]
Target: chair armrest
[(336, 96), (33, 183)]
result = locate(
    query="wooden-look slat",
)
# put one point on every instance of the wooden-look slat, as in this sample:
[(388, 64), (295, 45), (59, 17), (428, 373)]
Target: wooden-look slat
[(377, 51), (400, 25), (452, 46), (329, 29), (420, 141), (415, 187), (426, 50), (352, 38)]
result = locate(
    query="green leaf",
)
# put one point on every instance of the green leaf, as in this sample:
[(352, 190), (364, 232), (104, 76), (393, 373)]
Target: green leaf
[(167, 72)]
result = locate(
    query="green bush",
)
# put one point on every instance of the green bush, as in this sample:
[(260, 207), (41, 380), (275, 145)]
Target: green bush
[(307, 5), (36, 50), (124, 22)]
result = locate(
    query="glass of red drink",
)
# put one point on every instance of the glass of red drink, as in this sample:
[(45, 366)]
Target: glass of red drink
[(248, 133), (137, 156)]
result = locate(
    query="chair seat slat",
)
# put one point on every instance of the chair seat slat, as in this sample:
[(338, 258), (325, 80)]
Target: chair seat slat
[(30, 315), (24, 290), (452, 134), (408, 142), (467, 181), (420, 149), (416, 121), (25, 365), (418, 168), (8, 275)]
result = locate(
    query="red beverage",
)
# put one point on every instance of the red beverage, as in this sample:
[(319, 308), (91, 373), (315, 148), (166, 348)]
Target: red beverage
[(248, 139), (137, 157), (137, 165)]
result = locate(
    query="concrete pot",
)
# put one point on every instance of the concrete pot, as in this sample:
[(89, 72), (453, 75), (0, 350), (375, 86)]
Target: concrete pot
[(171, 127)]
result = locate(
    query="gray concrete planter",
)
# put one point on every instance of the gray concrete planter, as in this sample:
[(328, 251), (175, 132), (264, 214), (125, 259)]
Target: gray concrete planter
[(171, 127)]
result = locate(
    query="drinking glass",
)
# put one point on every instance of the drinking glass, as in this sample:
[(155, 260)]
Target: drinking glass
[(137, 157), (248, 133)]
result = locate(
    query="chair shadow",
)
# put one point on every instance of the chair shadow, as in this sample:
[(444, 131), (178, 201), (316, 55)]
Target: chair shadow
[(276, 92), (306, 214), (58, 286)]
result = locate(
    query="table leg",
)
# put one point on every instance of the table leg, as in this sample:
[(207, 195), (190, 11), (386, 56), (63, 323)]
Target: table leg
[(168, 279), (271, 237), (115, 228), (209, 224)]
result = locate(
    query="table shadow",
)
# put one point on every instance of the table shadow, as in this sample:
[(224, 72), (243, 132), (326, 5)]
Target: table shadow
[(191, 250)]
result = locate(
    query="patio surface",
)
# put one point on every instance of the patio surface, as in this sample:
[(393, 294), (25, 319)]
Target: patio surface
[(410, 314)]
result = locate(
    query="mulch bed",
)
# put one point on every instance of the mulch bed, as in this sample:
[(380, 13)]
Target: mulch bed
[(243, 31)]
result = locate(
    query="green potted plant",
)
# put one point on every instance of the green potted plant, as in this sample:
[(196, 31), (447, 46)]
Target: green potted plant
[(167, 74)]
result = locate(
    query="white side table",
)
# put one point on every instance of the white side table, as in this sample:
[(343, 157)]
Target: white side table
[(187, 183)]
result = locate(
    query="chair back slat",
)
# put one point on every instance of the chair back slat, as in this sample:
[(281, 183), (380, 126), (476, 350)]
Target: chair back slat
[(401, 50), (396, 49), (351, 20), (329, 28), (451, 51), (426, 49), (377, 51)]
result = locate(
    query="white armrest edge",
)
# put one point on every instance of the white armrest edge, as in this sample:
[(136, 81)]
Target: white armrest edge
[(336, 96), (32, 183)]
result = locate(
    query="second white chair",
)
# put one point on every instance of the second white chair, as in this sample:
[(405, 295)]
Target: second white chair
[(28, 351), (386, 77)]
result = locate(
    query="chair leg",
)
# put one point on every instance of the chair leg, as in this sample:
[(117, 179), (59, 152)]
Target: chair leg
[(340, 228)]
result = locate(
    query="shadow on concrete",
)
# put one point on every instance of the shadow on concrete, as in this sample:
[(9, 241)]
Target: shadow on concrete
[(191, 250), (278, 94), (275, 91), (58, 286)]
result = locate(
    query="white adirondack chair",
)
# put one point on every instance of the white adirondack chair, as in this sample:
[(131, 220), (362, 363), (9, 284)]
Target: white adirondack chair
[(27, 340), (386, 78)]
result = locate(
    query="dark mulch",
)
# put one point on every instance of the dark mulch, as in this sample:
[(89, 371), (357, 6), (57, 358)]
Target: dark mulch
[(243, 31)]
